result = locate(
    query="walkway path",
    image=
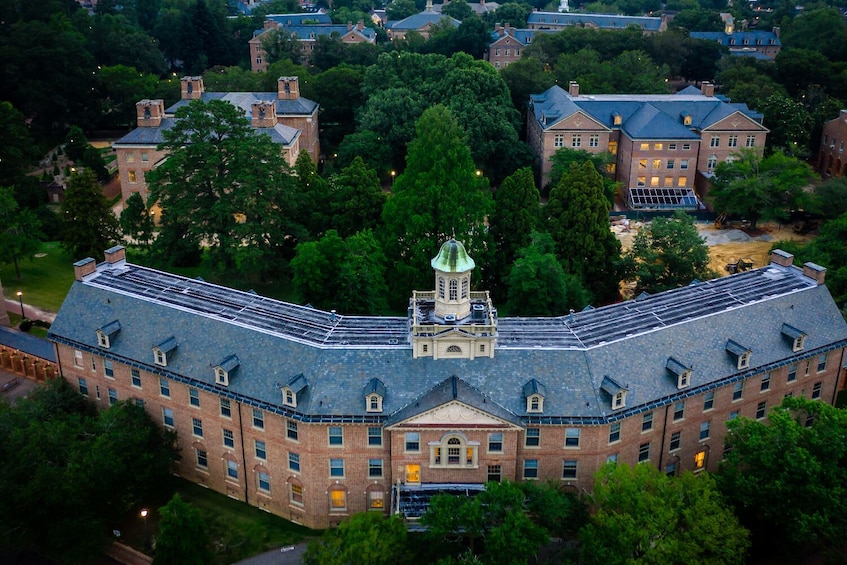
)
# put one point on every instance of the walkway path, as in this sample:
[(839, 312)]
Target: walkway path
[(288, 555), (32, 312)]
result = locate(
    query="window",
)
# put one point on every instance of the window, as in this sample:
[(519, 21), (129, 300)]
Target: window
[(376, 500), (336, 435), (733, 415), (712, 161), (558, 140), (808, 366), (715, 141), (642, 164), (643, 452), (374, 403), (534, 403), (533, 437), (139, 402), (675, 439), (700, 460), (440, 287), (197, 427), (132, 176), (296, 492), (530, 469), (194, 397), (821, 363), (647, 422), (336, 467), (672, 146), (83, 386), (258, 419), (672, 468), (375, 436), (683, 181), (576, 140), (261, 451), (264, 481), (202, 459), (113, 396), (569, 469), (683, 164), (679, 410), (705, 429), (761, 408), (495, 443), (613, 147), (495, 473), (221, 376), (657, 163), (130, 156), (751, 141), (816, 390), (658, 146), (291, 430), (374, 468), (668, 182), (337, 500), (733, 141), (108, 369), (641, 181), (671, 164), (226, 411), (413, 442), (792, 373), (613, 458), (654, 182), (572, 437), (737, 391), (615, 432), (645, 146), (594, 140), (709, 401), (145, 157), (232, 470), (168, 417), (136, 378), (465, 284), (164, 387), (294, 461), (229, 438), (453, 287), (686, 146), (97, 392), (766, 382), (78, 358)]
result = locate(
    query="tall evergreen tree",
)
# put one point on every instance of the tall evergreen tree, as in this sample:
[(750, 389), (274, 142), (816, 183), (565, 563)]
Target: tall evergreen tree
[(88, 224), (19, 230), (439, 196), (356, 199), (578, 220), (135, 221)]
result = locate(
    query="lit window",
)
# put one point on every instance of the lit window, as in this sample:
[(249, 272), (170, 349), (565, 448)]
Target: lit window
[(232, 470), (132, 176), (658, 146), (336, 435), (613, 147), (572, 437), (657, 163), (261, 451), (229, 438), (374, 468), (226, 411), (258, 419), (700, 459), (654, 182), (679, 410), (495, 443), (264, 481), (376, 500), (136, 378), (645, 146), (413, 442), (375, 436), (530, 469), (615, 432), (294, 461), (675, 440), (569, 467), (164, 387), (643, 452), (641, 181), (705, 429), (168, 417), (683, 182), (337, 500), (642, 164), (197, 427), (647, 422), (291, 430), (336, 467), (533, 437), (194, 397), (296, 491), (202, 459)]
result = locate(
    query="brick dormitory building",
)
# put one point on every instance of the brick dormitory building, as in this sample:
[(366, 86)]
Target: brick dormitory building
[(315, 415)]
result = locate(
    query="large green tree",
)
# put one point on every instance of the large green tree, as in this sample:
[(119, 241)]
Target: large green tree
[(668, 253), (760, 188), (437, 197), (366, 537), (642, 515), (88, 225), (183, 537), (578, 219), (20, 230), (786, 477), (356, 199), (136, 222), (563, 158)]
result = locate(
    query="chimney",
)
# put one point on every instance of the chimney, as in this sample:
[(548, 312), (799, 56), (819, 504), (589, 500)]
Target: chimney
[(428, 6), (349, 26), (507, 27), (776, 31), (288, 88), (707, 88), (360, 25), (84, 267), (115, 254), (573, 88), (783, 258), (149, 113), (814, 271), (263, 114), (271, 24), (192, 88)]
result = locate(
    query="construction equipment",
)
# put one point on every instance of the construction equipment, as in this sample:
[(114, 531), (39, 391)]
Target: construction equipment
[(739, 266), (722, 222)]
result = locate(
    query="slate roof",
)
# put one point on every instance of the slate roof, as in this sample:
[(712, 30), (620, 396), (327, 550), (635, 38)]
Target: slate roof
[(244, 100), (524, 36), (308, 32), (300, 19), (422, 19), (275, 342), (643, 116), (604, 21), (27, 343), (739, 37), (146, 135)]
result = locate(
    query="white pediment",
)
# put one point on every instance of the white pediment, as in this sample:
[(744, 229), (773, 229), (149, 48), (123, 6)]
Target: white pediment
[(455, 414)]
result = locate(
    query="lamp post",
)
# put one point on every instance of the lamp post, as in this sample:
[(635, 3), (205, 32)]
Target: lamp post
[(21, 301), (146, 531), (393, 174)]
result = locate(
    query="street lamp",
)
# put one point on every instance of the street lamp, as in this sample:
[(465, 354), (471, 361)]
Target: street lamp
[(146, 531), (21, 300), (393, 174)]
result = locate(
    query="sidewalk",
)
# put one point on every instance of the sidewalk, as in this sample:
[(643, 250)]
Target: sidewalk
[(31, 312), (288, 555)]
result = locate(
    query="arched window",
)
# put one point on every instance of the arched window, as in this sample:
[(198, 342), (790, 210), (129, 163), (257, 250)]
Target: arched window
[(454, 289), (712, 161), (441, 287), (454, 349), (465, 285), (453, 451)]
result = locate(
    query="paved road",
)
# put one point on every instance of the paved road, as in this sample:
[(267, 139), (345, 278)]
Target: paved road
[(288, 555), (32, 312)]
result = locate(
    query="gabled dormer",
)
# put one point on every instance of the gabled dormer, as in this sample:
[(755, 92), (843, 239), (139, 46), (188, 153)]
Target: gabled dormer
[(294, 390), (795, 336), (107, 333), (374, 395), (615, 390), (224, 369), (741, 354), (681, 373), (534, 393), (685, 118), (163, 351), (616, 118)]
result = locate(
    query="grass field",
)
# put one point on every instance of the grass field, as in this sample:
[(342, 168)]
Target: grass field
[(45, 279)]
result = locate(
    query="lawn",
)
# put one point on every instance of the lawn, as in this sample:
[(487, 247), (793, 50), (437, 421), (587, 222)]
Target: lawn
[(45, 279)]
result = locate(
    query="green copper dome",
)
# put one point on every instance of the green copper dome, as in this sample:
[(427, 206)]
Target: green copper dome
[(452, 258)]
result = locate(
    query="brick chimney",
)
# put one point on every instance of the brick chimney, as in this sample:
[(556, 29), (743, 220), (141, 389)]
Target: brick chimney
[(783, 258), (707, 88), (192, 88), (263, 114), (288, 88), (84, 267), (573, 88), (776, 31), (115, 254), (360, 25), (349, 26), (814, 271), (270, 24), (149, 113)]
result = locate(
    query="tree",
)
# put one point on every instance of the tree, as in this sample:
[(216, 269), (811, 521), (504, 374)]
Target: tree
[(17, 148), (316, 265), (397, 10), (75, 143), (789, 122), (578, 220), (760, 188), (513, 13), (564, 157), (361, 278), (642, 515), (135, 221), (356, 199), (338, 90), (313, 195), (366, 537), (668, 254), (537, 284), (786, 477), (438, 196), (88, 224), (458, 9), (19, 230), (831, 197), (183, 537), (280, 45), (526, 76)]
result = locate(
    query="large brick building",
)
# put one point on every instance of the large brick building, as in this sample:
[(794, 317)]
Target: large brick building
[(288, 118), (315, 415), (664, 146), (831, 160)]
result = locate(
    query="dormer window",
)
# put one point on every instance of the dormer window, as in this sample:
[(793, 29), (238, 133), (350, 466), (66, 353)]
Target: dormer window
[(680, 372), (797, 337), (294, 390), (616, 119), (686, 118), (163, 351), (288, 397), (224, 369), (106, 334), (741, 354), (374, 393), (534, 392), (614, 389)]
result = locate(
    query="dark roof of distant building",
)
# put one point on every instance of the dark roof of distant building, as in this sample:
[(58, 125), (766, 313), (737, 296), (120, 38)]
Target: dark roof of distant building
[(604, 21)]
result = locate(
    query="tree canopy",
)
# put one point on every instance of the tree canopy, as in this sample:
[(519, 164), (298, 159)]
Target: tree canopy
[(20, 230), (366, 537), (88, 225)]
